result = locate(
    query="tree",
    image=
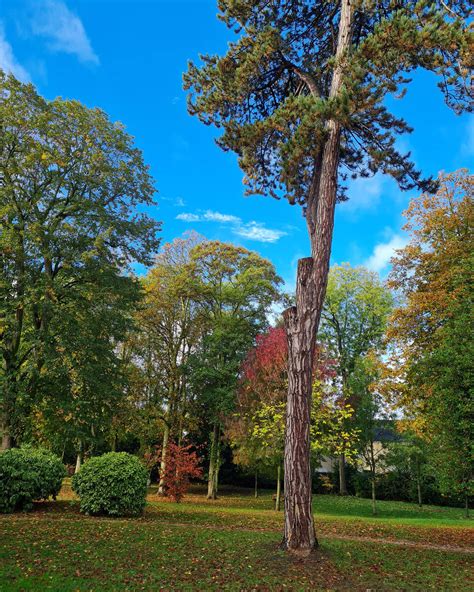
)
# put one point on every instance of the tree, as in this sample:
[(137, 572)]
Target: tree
[(182, 463), (300, 96), (235, 290), (170, 322), (70, 182), (354, 319), (433, 327), (372, 417)]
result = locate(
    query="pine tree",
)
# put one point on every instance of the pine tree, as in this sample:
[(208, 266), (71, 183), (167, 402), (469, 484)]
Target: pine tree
[(300, 95)]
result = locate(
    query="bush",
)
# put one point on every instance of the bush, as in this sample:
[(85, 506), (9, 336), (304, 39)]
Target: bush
[(113, 484), (27, 475)]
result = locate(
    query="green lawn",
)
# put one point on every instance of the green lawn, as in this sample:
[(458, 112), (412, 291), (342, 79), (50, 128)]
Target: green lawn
[(232, 544)]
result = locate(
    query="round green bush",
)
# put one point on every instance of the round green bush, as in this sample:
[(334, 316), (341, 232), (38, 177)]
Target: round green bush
[(114, 484), (27, 475)]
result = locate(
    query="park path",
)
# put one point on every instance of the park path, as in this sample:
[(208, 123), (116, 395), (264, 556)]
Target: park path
[(342, 537)]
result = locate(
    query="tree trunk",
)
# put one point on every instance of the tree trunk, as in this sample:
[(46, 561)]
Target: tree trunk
[(374, 503), (213, 462), (78, 459), (466, 506), (7, 441), (342, 475), (256, 484), (302, 321), (164, 453), (278, 494), (418, 486)]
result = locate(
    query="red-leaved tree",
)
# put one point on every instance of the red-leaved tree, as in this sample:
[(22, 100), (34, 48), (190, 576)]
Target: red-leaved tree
[(182, 465)]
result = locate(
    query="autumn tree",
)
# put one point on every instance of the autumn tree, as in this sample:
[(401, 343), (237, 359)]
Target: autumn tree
[(70, 184), (300, 96), (170, 326), (354, 319), (235, 290), (433, 327)]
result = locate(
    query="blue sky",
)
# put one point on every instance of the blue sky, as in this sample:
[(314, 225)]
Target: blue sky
[(127, 57)]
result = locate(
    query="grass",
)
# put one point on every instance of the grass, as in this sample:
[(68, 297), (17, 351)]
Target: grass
[(232, 544)]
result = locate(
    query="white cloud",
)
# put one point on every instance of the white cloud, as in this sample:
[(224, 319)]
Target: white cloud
[(186, 217), (258, 232), (53, 20), (218, 217), (209, 216), (383, 252), (364, 193), (8, 62), (250, 230)]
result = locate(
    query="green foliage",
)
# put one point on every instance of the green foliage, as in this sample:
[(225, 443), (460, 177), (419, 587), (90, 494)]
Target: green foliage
[(71, 182), (114, 484), (271, 91), (27, 475)]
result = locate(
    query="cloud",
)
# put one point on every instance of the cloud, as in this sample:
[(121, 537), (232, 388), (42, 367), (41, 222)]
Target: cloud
[(257, 232), (64, 30), (250, 230), (186, 217), (8, 62), (383, 252), (364, 193), (209, 216)]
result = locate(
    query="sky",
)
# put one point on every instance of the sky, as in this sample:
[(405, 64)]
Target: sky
[(127, 57)]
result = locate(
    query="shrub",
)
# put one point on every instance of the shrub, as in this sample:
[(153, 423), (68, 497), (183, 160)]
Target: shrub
[(113, 484), (27, 475)]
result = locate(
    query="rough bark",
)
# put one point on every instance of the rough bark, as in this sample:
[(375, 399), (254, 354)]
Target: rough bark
[(342, 475), (302, 321), (164, 452)]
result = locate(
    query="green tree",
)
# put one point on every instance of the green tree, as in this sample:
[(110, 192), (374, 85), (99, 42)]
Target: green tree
[(354, 320), (235, 291), (170, 326), (433, 328), (300, 95), (70, 182)]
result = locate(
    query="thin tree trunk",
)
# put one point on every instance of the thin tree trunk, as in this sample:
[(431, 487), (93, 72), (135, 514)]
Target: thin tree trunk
[(78, 459), (256, 484), (374, 502), (466, 506), (278, 494), (212, 479), (342, 475), (164, 453), (302, 321), (418, 486), (7, 441)]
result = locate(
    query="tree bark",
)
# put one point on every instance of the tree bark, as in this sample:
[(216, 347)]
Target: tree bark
[(466, 506), (213, 462), (256, 484), (374, 501), (278, 494), (78, 459), (342, 475), (7, 441), (418, 486), (302, 321), (164, 452)]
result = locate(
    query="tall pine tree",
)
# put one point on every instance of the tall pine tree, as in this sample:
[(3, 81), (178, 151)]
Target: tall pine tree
[(300, 95)]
